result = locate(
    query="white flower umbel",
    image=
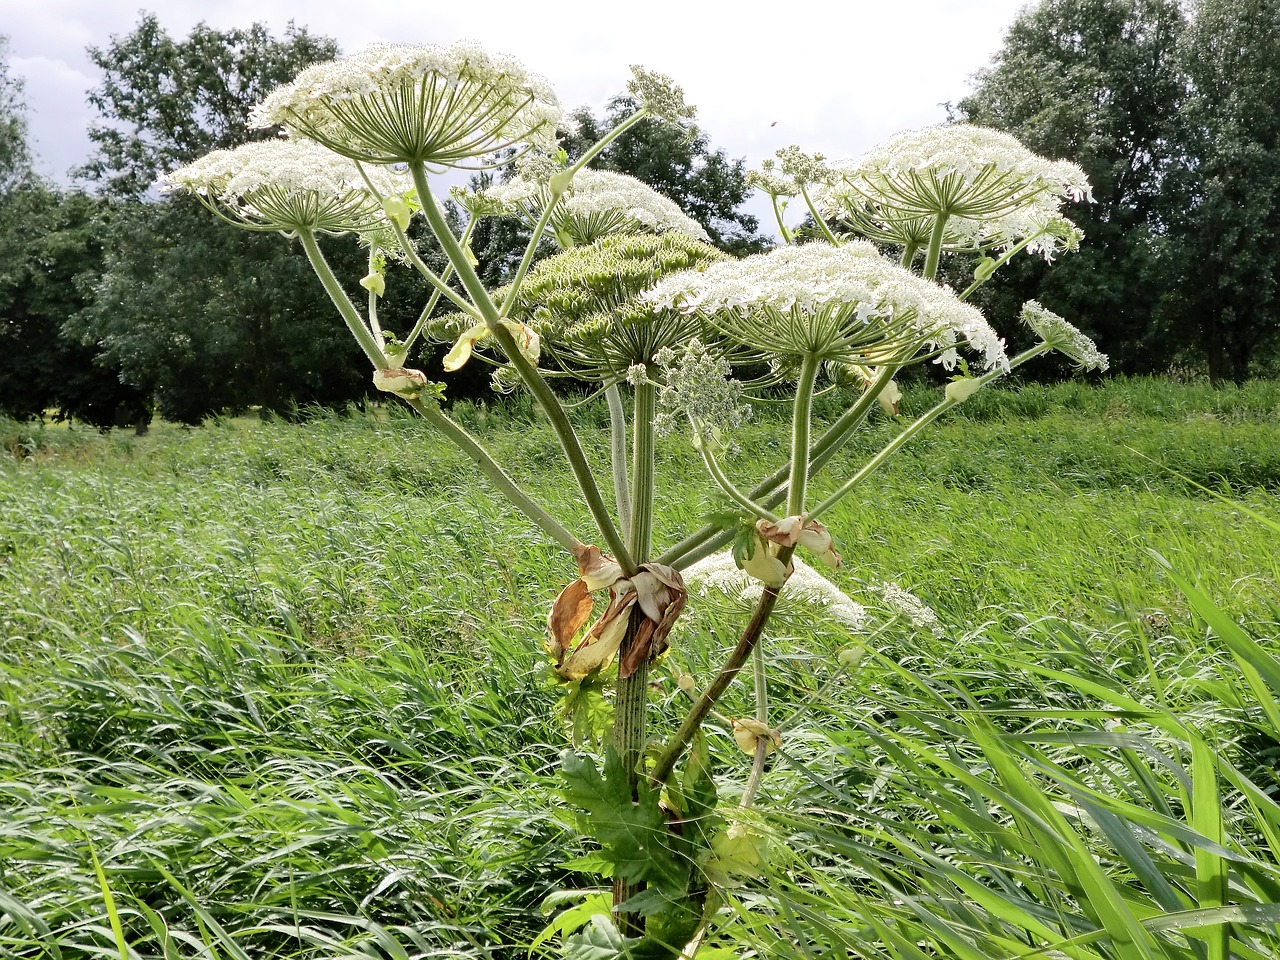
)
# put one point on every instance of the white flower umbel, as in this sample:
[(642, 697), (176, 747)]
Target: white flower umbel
[(289, 185), (911, 608), (845, 304), (1064, 337), (399, 103), (984, 186), (598, 203), (806, 592)]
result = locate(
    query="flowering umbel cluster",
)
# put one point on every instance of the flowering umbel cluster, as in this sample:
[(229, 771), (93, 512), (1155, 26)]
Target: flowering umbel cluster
[(596, 204), (397, 103), (639, 304), (290, 186), (844, 304)]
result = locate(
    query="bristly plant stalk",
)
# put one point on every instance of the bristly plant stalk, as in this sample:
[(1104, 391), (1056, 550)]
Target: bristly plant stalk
[(542, 393), (631, 702), (355, 323), (618, 454)]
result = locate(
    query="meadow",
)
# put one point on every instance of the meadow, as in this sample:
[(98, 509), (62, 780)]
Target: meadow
[(276, 689)]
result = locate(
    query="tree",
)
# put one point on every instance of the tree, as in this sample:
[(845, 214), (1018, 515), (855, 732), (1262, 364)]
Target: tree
[(1226, 191), (1097, 82), (15, 158), (205, 317), (166, 102), (50, 244)]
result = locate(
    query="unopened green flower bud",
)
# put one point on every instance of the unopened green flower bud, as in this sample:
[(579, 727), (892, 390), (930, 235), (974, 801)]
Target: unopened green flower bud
[(560, 182), (398, 211), (958, 391)]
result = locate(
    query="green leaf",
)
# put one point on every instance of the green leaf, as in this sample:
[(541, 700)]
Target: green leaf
[(632, 834), (586, 711), (599, 940), (575, 917)]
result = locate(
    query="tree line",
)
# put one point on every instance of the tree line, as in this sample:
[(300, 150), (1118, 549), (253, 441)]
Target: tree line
[(118, 303)]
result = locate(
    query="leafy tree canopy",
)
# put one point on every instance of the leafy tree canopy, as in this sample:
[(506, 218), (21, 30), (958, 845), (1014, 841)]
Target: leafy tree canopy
[(1098, 82), (165, 102)]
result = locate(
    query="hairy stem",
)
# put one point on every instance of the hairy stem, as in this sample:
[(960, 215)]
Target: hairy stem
[(935, 247), (726, 485), (800, 427), (632, 701), (542, 393), (618, 450)]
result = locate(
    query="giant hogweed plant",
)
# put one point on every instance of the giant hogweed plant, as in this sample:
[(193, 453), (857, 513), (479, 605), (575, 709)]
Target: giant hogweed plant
[(637, 305)]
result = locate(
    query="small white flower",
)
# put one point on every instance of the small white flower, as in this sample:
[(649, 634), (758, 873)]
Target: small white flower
[(806, 591), (846, 304), (597, 204), (911, 608), (993, 191), (1064, 337), (396, 103), (290, 185)]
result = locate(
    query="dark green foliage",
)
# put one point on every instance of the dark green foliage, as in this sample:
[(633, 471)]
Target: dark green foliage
[(208, 318), (51, 252), (633, 834), (1097, 82), (202, 316), (1225, 193), (167, 101)]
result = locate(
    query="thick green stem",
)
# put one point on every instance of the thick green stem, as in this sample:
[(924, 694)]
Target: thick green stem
[(445, 275), (528, 373), (618, 451), (935, 247), (800, 427), (782, 227), (355, 323), (908, 255), (535, 238), (902, 439), (817, 218), (640, 535), (631, 704), (770, 491)]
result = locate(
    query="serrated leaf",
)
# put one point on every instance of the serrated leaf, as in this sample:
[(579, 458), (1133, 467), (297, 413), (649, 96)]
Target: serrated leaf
[(598, 940), (587, 712), (632, 834), (574, 918)]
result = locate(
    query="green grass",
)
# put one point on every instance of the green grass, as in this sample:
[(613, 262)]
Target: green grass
[(276, 689)]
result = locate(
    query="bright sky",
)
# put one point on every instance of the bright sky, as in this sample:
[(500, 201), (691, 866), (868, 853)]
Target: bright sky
[(833, 77)]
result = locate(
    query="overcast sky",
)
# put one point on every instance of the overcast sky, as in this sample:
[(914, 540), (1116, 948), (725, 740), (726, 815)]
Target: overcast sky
[(833, 77)]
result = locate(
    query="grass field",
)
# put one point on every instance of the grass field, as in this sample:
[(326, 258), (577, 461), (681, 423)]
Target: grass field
[(276, 690)]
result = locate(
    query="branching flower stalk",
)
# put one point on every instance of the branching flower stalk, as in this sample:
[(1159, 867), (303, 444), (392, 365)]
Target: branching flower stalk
[(668, 315)]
